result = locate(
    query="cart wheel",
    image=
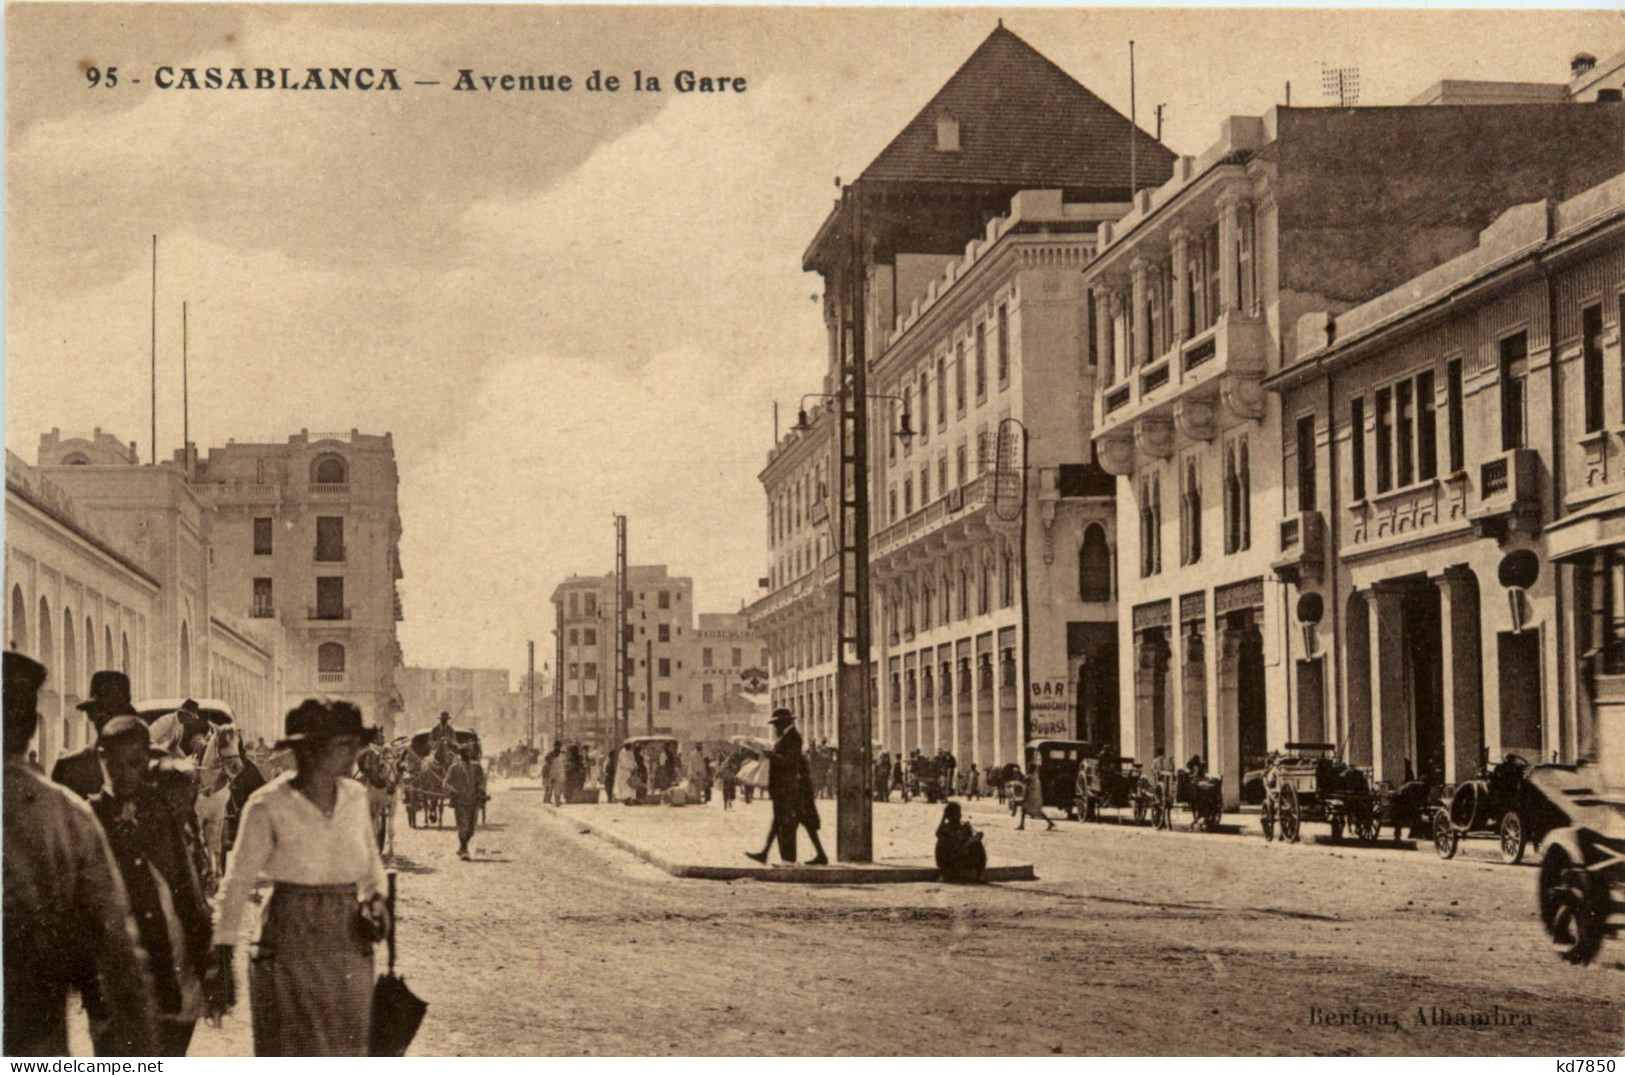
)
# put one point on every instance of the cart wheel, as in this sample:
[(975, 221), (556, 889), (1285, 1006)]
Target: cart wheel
[(1512, 839), (1445, 837), (1367, 826), (1337, 827), (1291, 819), (1266, 821), (1573, 906), (1159, 810)]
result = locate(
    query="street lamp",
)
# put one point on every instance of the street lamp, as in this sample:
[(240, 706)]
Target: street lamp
[(904, 430)]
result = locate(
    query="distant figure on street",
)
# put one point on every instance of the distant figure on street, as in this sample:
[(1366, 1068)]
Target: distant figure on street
[(442, 731), (553, 777), (463, 782), (81, 771), (961, 855), (626, 772), (784, 767), (1032, 802), (728, 777), (67, 921)]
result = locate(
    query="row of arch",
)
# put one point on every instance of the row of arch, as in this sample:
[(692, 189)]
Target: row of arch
[(71, 650)]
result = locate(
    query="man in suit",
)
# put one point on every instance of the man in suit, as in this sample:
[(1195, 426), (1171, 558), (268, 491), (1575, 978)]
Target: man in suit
[(81, 771), (784, 771)]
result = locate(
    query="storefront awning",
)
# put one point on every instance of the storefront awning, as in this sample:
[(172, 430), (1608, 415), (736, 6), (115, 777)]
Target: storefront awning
[(1596, 527)]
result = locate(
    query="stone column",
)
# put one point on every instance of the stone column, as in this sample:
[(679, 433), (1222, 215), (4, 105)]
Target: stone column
[(1193, 716), (998, 701), (1140, 310), (1230, 206), (1103, 336), (1181, 298), (1229, 723), (1390, 696), (1122, 360), (1463, 672)]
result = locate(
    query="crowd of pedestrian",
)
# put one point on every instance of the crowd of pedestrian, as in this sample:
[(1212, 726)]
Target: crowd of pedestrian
[(110, 866)]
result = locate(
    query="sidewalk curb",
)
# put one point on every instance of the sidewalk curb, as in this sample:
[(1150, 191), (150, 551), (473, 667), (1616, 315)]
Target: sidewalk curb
[(837, 874)]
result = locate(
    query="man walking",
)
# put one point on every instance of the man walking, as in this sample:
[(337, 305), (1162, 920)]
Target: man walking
[(81, 771), (464, 784), (784, 766), (67, 920)]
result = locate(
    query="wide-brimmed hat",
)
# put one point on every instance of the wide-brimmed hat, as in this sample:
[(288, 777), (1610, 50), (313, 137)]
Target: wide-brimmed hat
[(109, 695), (781, 716), (314, 721)]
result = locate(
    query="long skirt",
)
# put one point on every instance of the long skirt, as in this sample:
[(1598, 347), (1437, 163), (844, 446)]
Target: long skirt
[(310, 983)]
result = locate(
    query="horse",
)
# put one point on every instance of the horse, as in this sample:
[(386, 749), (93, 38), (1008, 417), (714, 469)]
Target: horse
[(379, 770)]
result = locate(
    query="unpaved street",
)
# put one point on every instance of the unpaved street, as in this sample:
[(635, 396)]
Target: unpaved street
[(1132, 941)]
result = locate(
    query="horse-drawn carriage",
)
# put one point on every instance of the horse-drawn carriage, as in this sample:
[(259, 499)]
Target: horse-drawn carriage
[(1108, 780), (428, 756), (1190, 787), (1309, 783), (204, 732), (1058, 762)]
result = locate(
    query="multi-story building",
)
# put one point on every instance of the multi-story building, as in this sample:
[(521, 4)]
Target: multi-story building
[(975, 222), (659, 628), (476, 698), (729, 666), (1197, 296), (307, 533), (1456, 463)]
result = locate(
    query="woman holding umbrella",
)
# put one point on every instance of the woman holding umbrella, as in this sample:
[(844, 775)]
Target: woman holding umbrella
[(310, 833)]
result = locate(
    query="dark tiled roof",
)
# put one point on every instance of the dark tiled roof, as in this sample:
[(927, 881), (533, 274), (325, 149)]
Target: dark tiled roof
[(1022, 121)]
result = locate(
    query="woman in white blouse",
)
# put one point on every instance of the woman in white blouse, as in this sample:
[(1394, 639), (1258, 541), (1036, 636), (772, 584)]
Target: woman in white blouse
[(310, 833)]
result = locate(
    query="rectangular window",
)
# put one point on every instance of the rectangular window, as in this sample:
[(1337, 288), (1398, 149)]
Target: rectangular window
[(942, 474), (959, 378), (1455, 416), (1357, 447), (737, 657), (1246, 263), (1306, 463), (1404, 472), (706, 657), (263, 605), (1385, 440), (707, 693), (664, 667), (908, 409), (663, 599), (942, 386), (574, 636), (1004, 346), (981, 360), (574, 608), (592, 703), (330, 538), (1427, 434), (590, 636), (925, 485), (959, 460), (1591, 361), (330, 598), (663, 632), (1153, 312), (908, 496), (590, 670), (262, 537), (1214, 265), (589, 604), (892, 504), (1514, 374), (665, 700)]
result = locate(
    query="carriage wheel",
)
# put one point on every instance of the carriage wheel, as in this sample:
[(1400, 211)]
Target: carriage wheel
[(1266, 821), (1159, 809), (1512, 838), (1445, 838), (1366, 824), (1573, 906), (1291, 816)]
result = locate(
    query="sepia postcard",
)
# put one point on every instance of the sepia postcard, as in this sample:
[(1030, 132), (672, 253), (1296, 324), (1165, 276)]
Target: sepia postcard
[(486, 484)]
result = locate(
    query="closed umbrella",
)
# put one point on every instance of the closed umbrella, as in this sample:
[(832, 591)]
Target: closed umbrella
[(397, 1012)]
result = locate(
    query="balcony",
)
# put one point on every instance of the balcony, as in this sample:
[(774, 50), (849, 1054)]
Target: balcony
[(329, 489), (1216, 376), (328, 613), (329, 677), (1507, 499), (960, 516), (239, 492), (262, 612), (1303, 547)]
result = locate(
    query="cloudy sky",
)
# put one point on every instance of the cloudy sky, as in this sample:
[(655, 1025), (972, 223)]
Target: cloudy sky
[(562, 306)]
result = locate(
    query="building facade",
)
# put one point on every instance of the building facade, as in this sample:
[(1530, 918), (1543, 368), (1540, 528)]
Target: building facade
[(307, 534), (1459, 457), (476, 698), (729, 666), (1198, 294), (958, 250)]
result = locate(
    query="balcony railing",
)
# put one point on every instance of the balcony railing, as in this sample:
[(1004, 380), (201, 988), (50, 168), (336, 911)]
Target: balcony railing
[(329, 613), (329, 677), (262, 612), (329, 489)]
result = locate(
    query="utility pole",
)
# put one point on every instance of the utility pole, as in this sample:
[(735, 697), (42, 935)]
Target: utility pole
[(154, 350), (558, 676), (186, 401), (649, 687), (623, 686), (530, 727), (1133, 130), (1159, 121), (854, 840)]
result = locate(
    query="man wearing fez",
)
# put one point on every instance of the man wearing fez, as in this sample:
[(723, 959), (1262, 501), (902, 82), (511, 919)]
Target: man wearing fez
[(67, 920), (81, 771), (464, 782)]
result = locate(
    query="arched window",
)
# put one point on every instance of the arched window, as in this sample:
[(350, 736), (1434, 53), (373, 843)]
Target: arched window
[(329, 470), (90, 647), (1094, 565), (47, 652), (107, 645), (125, 667), (70, 656), (1156, 524), (1232, 502), (19, 620), (1245, 508), (1193, 512), (329, 662)]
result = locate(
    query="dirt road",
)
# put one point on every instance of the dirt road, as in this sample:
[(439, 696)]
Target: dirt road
[(1132, 941)]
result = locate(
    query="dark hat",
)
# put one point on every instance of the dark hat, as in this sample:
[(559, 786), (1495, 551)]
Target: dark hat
[(313, 720), (126, 728), (781, 716), (109, 695), (23, 679)]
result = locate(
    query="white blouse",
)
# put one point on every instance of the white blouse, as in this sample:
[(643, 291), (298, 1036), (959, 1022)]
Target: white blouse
[(283, 836)]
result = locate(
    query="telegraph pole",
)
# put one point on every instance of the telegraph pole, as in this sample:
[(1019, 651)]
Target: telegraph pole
[(530, 727), (854, 806), (558, 677), (623, 687)]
